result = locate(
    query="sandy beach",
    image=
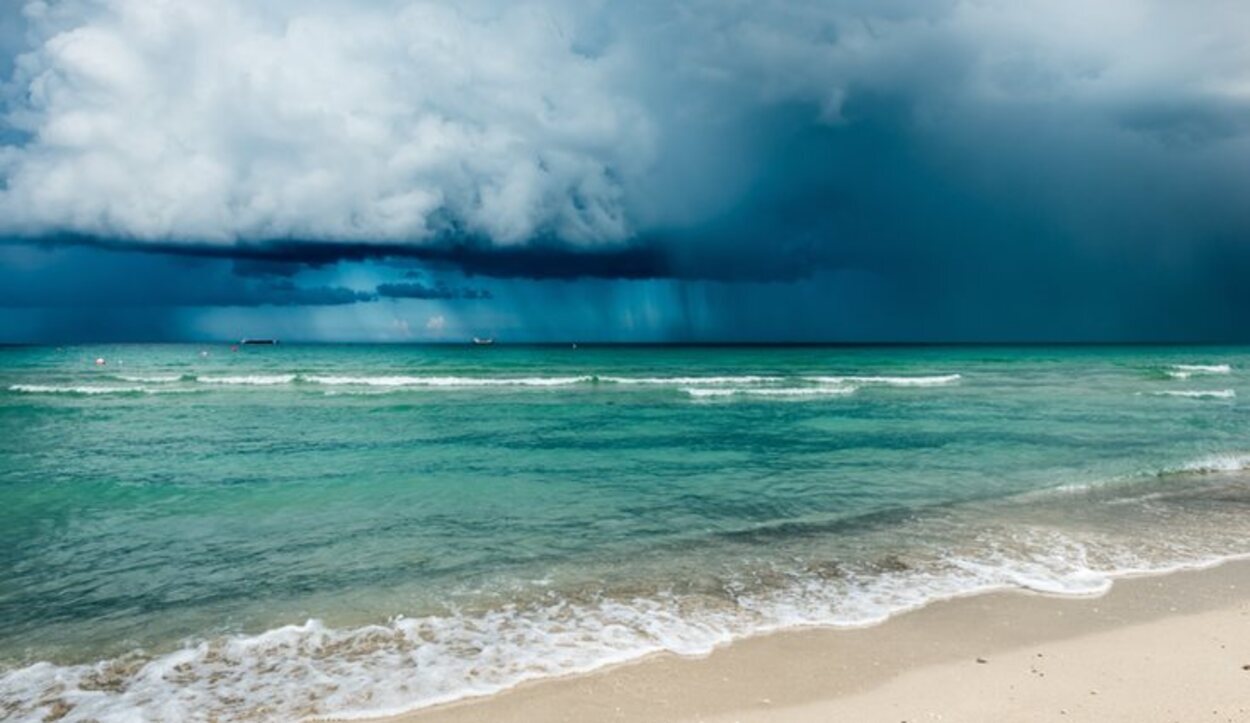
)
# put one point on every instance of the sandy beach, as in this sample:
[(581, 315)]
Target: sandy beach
[(1163, 648)]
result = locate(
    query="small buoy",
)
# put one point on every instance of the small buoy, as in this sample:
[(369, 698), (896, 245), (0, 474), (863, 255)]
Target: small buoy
[(99, 361)]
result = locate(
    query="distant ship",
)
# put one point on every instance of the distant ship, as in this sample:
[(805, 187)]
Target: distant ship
[(480, 341), (259, 341)]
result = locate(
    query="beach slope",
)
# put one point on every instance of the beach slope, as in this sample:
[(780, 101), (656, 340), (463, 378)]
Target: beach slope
[(1168, 648)]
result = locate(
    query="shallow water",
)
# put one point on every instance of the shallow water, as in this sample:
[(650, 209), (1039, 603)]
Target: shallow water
[(283, 531)]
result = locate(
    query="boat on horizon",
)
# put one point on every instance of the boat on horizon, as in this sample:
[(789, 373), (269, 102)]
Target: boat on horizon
[(268, 342), (483, 341)]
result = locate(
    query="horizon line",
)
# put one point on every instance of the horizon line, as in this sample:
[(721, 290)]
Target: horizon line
[(577, 343)]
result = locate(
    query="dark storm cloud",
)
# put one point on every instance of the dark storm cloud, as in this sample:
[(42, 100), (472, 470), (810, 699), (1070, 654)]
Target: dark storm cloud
[(286, 293), (417, 290), (698, 140), (85, 277), (266, 267), (540, 259), (1190, 120), (991, 169)]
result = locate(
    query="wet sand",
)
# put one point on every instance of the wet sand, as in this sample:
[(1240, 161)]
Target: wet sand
[(1163, 648)]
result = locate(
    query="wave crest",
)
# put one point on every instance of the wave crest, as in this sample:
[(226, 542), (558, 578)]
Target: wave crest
[(798, 392), (713, 385), (693, 381), (86, 390), (249, 379), (314, 670), (155, 378), (446, 381), (917, 381), (1185, 371), (1197, 393)]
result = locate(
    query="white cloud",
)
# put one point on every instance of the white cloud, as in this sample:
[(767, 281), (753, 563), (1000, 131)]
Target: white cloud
[(217, 120)]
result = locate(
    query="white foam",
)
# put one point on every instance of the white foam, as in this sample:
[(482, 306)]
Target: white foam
[(553, 381), (1219, 463), (1216, 463), (310, 670), (1197, 393), (249, 380), (88, 390), (1185, 371), (918, 381), (446, 381), (769, 392), (693, 381), (751, 384), (300, 671)]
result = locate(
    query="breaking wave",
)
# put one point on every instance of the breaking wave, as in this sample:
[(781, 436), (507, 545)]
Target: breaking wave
[(446, 381), (729, 385), (155, 378), (1197, 393), (312, 669), (1185, 371), (792, 392), (299, 671), (88, 390), (1214, 464), (919, 381), (250, 379), (692, 381)]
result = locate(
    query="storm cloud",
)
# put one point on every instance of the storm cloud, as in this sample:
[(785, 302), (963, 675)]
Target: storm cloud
[(96, 278), (419, 290), (979, 165)]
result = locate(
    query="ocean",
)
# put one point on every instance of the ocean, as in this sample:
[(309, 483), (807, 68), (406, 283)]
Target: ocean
[(190, 532)]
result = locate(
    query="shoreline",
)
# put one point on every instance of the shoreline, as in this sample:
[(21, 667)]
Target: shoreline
[(1151, 643)]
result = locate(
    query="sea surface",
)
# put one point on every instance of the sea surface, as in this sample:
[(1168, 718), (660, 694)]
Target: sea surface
[(195, 533)]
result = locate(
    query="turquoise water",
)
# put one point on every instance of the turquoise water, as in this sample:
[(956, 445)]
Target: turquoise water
[(276, 532)]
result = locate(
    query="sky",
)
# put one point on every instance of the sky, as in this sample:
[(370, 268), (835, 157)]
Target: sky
[(691, 170)]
